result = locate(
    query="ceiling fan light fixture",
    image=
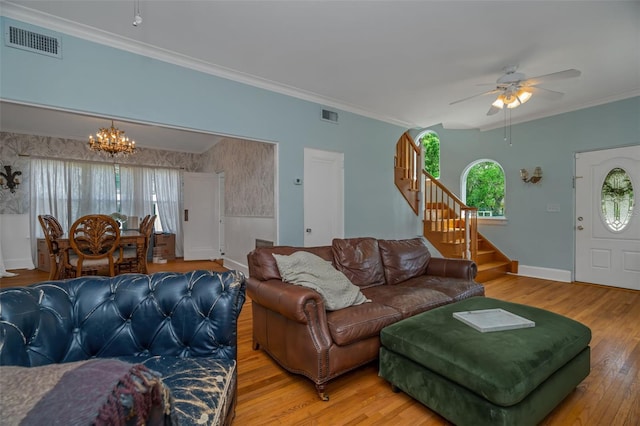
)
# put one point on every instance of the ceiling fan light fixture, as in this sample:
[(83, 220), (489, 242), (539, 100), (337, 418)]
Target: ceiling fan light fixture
[(523, 96), (512, 101), (498, 103)]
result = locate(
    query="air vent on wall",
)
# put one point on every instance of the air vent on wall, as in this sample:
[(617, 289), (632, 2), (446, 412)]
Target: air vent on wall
[(33, 42), (328, 115)]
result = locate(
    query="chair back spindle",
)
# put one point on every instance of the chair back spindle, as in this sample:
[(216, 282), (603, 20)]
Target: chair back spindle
[(52, 231)]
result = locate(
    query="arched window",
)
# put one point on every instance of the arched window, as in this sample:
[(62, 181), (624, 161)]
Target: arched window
[(483, 187), (430, 143)]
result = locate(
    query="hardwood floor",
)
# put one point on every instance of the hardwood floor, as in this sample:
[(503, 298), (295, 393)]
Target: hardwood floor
[(610, 395)]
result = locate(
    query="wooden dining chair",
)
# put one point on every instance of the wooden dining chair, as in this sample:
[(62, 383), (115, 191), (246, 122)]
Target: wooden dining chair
[(95, 239), (130, 262), (52, 231)]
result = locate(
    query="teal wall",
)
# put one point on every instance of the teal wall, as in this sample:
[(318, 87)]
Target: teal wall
[(105, 81), (533, 235)]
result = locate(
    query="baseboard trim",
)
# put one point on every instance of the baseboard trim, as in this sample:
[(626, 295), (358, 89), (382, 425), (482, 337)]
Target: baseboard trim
[(232, 264), (545, 273)]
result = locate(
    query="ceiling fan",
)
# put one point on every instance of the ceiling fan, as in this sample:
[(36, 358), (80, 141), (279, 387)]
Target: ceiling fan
[(514, 88)]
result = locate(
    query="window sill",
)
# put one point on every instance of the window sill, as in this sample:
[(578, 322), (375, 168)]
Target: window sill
[(493, 221)]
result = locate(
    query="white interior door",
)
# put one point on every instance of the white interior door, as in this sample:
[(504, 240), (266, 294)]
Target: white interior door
[(200, 221), (608, 226), (323, 197)]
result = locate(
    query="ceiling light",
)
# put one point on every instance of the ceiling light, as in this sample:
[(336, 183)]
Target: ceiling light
[(112, 141), (512, 100)]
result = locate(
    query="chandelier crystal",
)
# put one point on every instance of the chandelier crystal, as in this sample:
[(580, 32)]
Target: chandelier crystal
[(112, 141)]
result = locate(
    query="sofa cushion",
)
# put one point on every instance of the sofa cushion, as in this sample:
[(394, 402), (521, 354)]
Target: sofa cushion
[(359, 259), (262, 264), (308, 270), (407, 300), (456, 288), (359, 322), (403, 259)]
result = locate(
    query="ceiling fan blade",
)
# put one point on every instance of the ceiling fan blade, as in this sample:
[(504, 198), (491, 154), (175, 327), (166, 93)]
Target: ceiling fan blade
[(549, 77), (490, 92), (493, 110), (545, 93)]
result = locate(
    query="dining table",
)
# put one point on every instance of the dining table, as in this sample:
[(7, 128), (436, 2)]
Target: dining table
[(127, 237)]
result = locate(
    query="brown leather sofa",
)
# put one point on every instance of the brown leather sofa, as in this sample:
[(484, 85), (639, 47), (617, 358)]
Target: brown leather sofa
[(400, 278)]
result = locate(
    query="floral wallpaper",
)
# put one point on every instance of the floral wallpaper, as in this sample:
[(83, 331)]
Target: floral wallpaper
[(249, 168), (249, 173), (16, 149)]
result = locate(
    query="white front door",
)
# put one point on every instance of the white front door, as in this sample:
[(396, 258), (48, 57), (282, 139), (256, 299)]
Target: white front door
[(323, 197), (200, 221), (607, 217)]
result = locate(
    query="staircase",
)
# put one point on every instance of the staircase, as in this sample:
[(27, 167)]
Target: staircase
[(448, 224)]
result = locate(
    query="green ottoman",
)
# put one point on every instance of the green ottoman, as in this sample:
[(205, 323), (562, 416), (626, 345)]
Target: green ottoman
[(512, 377)]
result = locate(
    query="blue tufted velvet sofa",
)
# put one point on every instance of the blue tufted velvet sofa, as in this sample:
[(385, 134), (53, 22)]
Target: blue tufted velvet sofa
[(181, 325)]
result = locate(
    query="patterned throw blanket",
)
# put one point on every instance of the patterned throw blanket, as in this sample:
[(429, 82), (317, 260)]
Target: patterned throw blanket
[(93, 392)]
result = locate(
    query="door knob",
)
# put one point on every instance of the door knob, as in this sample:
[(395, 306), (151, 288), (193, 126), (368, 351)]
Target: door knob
[(580, 227), (308, 230)]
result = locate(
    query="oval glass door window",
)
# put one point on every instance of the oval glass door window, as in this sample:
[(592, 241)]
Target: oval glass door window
[(617, 199)]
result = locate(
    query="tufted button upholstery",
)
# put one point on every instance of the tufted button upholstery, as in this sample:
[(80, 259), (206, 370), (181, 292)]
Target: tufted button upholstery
[(172, 314)]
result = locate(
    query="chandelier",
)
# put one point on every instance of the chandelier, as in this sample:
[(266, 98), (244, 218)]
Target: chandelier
[(112, 141)]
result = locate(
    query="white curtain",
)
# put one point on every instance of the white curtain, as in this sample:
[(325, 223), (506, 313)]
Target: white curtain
[(92, 189), (49, 192), (167, 189), (3, 270), (71, 189), (136, 191)]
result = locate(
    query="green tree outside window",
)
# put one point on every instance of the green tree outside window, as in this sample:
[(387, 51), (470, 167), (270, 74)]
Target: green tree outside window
[(485, 188), (431, 146)]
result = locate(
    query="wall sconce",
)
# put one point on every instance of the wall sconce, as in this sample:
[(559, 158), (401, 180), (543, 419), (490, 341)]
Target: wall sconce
[(537, 175), (12, 181)]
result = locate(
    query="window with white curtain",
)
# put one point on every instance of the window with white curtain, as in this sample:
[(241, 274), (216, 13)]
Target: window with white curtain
[(71, 189)]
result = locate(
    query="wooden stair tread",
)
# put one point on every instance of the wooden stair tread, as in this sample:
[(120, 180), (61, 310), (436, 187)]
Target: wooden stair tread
[(491, 265), (483, 251)]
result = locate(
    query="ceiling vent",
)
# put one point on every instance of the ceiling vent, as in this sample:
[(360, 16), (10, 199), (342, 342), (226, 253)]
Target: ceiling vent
[(328, 115), (33, 42)]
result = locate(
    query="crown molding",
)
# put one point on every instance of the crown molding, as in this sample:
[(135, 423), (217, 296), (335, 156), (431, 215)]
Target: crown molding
[(95, 35)]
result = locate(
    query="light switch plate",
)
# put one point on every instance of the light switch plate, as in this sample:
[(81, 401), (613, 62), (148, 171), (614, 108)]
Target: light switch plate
[(554, 208)]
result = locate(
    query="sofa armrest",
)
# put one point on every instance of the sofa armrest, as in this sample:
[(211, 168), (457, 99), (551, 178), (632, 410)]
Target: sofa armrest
[(290, 301), (452, 268)]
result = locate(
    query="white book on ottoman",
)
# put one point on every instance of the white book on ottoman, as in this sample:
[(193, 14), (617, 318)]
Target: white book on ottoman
[(486, 320)]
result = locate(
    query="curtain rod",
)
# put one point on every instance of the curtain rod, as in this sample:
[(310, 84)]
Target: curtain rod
[(40, 157)]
